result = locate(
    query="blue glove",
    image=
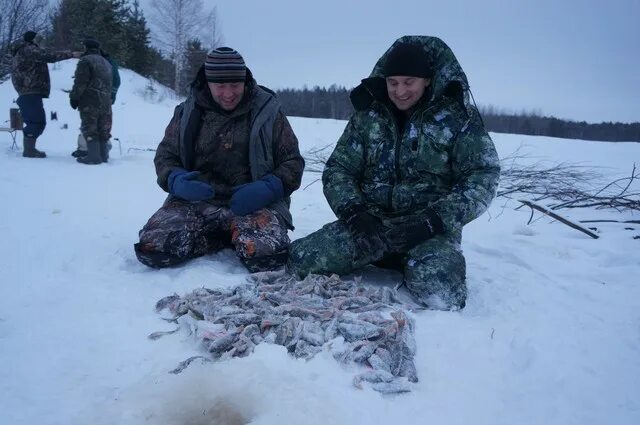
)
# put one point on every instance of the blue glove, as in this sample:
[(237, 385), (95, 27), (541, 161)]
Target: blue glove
[(250, 197), (183, 184)]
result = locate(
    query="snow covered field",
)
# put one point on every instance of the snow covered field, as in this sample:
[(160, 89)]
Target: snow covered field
[(550, 334)]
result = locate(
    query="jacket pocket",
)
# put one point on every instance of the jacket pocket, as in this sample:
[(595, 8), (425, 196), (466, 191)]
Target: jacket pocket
[(433, 150)]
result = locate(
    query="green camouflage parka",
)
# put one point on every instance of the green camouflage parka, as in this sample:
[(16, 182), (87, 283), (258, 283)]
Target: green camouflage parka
[(443, 159)]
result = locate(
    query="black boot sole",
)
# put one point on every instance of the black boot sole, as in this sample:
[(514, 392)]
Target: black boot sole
[(79, 154), (88, 162), (35, 155)]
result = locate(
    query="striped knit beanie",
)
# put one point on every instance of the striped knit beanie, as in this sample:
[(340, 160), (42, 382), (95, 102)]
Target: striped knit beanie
[(224, 65)]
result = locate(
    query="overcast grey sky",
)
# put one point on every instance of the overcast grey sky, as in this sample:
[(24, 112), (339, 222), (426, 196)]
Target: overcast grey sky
[(569, 58)]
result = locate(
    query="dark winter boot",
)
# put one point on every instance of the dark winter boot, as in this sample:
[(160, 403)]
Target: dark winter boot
[(93, 154), (266, 263), (78, 153), (156, 259), (104, 151), (30, 151)]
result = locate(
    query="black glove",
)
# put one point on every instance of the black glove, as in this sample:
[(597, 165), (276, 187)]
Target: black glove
[(361, 222), (73, 103), (408, 232), (365, 229)]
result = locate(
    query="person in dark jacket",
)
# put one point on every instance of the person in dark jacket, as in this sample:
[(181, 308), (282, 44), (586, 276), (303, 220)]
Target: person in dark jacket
[(230, 161), (30, 78), (413, 166), (115, 82), (91, 95), (115, 85)]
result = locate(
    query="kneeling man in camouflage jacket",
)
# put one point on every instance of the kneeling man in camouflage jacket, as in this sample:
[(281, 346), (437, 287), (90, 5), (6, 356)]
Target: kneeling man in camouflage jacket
[(413, 166)]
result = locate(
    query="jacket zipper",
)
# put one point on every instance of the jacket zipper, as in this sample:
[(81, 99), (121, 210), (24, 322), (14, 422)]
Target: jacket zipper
[(397, 145), (397, 141), (396, 156)]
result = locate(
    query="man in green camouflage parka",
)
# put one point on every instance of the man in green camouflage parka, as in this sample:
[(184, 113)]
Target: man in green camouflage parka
[(230, 162), (413, 166), (91, 95)]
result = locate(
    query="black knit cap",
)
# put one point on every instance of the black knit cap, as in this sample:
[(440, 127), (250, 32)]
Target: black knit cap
[(408, 59), (224, 65), (29, 36), (91, 43)]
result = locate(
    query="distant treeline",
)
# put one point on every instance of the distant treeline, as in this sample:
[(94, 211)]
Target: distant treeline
[(333, 102), (536, 125), (318, 102)]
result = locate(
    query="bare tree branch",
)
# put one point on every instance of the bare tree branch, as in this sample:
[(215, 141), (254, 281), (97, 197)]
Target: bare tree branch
[(16, 18), (611, 221), (561, 219), (175, 22)]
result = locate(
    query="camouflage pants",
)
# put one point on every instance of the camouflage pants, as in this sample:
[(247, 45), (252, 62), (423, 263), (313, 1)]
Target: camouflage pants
[(182, 230), (434, 271), (96, 124)]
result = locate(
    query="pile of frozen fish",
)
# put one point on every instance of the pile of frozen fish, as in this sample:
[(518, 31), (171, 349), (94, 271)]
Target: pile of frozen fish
[(357, 324)]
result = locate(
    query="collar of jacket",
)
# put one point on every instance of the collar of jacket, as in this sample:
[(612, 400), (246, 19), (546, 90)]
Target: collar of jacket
[(92, 52), (448, 79), (21, 45)]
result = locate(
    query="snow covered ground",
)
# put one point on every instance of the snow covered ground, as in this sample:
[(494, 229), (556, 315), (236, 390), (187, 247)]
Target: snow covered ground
[(550, 334)]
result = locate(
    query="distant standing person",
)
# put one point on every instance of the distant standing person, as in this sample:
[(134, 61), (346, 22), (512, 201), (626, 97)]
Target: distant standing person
[(115, 85), (30, 78), (413, 166), (229, 160), (91, 95)]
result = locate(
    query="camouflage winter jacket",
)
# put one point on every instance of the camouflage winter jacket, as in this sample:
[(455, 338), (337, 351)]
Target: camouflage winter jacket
[(29, 71), (442, 160), (231, 148), (92, 82)]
